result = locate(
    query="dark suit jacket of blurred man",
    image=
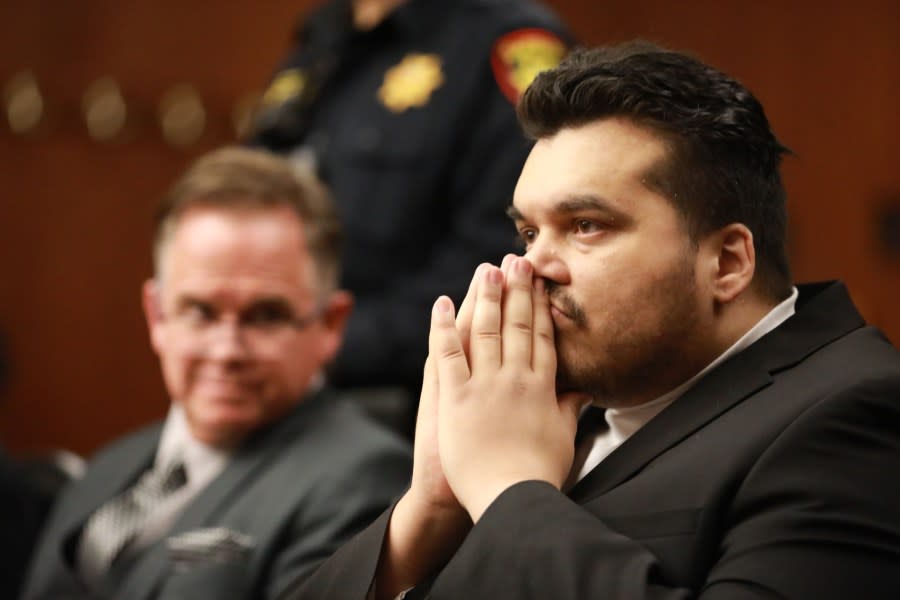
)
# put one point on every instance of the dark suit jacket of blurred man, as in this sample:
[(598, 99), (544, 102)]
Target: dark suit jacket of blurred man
[(295, 490)]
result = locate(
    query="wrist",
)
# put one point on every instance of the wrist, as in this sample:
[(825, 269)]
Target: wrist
[(485, 495), (421, 537)]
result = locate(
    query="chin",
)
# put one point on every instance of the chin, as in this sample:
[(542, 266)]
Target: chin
[(218, 420), (224, 433)]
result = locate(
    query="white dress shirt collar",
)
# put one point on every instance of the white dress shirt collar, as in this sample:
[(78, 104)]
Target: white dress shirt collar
[(201, 462), (624, 422)]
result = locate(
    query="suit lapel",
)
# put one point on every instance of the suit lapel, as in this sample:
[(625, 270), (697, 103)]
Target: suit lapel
[(146, 573), (711, 396), (824, 313), (108, 478), (204, 510)]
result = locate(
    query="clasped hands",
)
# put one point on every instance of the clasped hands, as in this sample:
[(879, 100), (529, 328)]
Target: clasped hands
[(489, 417), (489, 412)]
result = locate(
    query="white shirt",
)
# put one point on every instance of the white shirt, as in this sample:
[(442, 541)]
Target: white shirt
[(623, 422), (202, 464)]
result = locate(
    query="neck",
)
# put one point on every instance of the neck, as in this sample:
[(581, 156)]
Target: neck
[(367, 14), (738, 317)]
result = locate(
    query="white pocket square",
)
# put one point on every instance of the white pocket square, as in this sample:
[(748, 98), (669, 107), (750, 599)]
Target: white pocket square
[(210, 545)]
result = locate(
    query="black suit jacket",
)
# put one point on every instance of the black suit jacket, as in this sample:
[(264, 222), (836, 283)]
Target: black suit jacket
[(297, 490), (776, 476)]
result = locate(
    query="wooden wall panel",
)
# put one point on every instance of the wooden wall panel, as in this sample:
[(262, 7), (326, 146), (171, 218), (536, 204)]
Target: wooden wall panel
[(75, 227)]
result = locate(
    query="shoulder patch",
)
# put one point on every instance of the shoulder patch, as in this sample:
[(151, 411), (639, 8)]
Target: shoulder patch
[(518, 56)]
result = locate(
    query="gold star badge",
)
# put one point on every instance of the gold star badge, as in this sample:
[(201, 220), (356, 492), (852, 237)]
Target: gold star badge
[(411, 83)]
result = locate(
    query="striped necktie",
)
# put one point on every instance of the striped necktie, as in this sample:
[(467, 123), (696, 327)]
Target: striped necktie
[(115, 524)]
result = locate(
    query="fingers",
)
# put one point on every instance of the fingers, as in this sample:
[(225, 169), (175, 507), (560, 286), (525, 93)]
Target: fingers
[(543, 353), (467, 308), (518, 314), (429, 394), (445, 347), (484, 339), (504, 266), (495, 324)]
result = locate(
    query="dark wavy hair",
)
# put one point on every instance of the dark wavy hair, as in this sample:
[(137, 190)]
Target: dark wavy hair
[(723, 163)]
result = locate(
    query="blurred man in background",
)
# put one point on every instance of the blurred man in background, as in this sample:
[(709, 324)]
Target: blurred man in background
[(259, 471), (406, 110)]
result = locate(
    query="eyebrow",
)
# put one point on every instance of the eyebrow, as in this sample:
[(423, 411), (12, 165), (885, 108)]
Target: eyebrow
[(574, 204), (189, 298), (270, 302)]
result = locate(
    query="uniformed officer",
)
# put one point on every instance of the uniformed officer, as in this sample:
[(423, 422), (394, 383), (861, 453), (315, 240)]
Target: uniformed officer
[(407, 110)]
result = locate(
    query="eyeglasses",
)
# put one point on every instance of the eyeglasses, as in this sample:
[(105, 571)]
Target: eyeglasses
[(262, 324)]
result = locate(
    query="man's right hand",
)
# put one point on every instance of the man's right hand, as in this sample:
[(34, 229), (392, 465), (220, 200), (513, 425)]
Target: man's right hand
[(428, 524)]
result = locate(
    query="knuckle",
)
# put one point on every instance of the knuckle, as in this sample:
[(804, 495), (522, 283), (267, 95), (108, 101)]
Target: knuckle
[(545, 336), (484, 335), (451, 353), (520, 386), (522, 326), (490, 293), (520, 283)]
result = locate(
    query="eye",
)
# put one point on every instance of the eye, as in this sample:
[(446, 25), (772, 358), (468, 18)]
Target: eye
[(197, 313), (527, 235), (268, 315), (587, 226)]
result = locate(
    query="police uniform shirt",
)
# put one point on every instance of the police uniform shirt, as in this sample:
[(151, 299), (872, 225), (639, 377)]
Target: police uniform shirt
[(412, 125)]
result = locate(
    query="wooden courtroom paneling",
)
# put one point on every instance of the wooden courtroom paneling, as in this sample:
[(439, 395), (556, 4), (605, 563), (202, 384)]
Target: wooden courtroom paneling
[(76, 213)]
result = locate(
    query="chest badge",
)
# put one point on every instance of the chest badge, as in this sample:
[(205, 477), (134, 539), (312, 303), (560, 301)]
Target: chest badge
[(410, 83)]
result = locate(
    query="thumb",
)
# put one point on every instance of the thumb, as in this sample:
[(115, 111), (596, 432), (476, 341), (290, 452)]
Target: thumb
[(445, 348), (426, 417), (429, 392)]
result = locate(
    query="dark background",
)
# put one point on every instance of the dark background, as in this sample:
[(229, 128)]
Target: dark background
[(75, 213)]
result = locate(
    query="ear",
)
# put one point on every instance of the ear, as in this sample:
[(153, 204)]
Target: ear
[(732, 261), (334, 320), (152, 303)]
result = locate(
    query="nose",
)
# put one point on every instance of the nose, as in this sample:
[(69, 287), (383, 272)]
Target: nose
[(548, 261), (227, 341)]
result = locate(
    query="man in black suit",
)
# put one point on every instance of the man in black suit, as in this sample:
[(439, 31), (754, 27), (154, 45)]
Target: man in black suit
[(259, 471), (748, 445)]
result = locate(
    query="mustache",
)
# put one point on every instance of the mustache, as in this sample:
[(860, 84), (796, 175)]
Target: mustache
[(566, 304)]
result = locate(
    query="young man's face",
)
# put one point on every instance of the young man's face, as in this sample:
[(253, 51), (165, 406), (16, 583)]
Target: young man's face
[(237, 319), (619, 264)]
